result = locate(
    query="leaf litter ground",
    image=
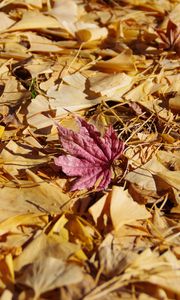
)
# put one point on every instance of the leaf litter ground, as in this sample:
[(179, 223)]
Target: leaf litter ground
[(112, 64)]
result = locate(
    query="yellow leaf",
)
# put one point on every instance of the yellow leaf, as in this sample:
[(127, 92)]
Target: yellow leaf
[(59, 229), (174, 103), (114, 85), (66, 13), (122, 62), (6, 270), (48, 273), (92, 34), (14, 224), (5, 21), (120, 207), (39, 21), (96, 209), (124, 210), (2, 128)]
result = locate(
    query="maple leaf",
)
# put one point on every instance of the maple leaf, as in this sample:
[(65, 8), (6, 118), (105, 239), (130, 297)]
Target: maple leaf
[(170, 38), (90, 156)]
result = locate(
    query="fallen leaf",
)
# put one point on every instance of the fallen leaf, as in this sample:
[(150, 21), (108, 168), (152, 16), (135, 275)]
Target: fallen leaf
[(112, 260), (91, 157), (16, 157), (66, 13), (113, 86), (123, 62), (144, 175), (6, 270), (41, 44), (31, 197), (170, 38), (7, 295), (37, 4), (68, 98), (120, 207), (92, 34), (35, 118), (105, 60), (5, 21), (13, 224), (48, 273), (174, 103), (39, 21), (1, 131), (124, 210), (31, 252)]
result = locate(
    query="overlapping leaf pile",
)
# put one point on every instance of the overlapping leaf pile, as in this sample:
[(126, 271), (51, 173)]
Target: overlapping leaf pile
[(94, 212)]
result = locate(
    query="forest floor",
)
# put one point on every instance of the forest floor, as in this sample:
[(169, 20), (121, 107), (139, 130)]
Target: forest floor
[(89, 152)]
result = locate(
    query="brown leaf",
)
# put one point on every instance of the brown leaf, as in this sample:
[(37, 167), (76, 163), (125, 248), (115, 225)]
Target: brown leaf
[(170, 38)]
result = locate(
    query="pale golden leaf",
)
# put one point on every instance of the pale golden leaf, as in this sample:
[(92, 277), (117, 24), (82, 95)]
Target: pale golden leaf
[(39, 21), (114, 85), (122, 62), (68, 98), (124, 210), (5, 21), (92, 34), (48, 273), (41, 44), (174, 103), (66, 13)]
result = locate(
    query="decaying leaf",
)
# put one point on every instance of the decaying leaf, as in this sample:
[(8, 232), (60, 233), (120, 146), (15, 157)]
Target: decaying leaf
[(90, 157)]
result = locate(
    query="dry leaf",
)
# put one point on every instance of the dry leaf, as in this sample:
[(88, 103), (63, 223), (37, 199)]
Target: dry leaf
[(113, 86), (174, 103), (90, 156), (7, 295), (143, 176), (66, 13), (41, 44), (39, 21), (121, 63), (170, 38), (48, 273), (31, 197), (35, 118), (105, 61), (5, 21), (124, 210), (92, 34), (68, 98), (120, 207), (16, 157)]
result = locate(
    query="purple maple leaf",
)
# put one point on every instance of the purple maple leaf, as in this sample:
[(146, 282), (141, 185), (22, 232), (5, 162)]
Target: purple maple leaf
[(90, 156)]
